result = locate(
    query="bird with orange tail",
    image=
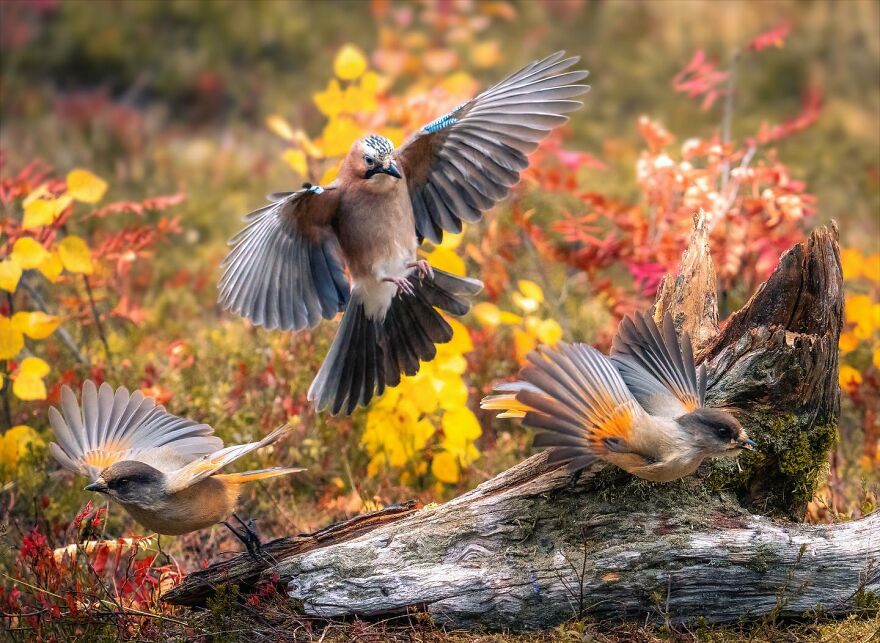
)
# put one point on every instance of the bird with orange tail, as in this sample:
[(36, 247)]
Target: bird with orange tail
[(164, 470), (643, 409), (287, 267)]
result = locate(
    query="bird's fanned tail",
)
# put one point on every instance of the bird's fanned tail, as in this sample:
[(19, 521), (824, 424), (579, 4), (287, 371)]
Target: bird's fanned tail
[(368, 355)]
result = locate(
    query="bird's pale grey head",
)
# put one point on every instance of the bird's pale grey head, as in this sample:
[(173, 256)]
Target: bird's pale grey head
[(131, 483), (716, 432), (377, 157)]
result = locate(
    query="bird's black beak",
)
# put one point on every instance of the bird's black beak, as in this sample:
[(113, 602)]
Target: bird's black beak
[(98, 485), (747, 444), (391, 170)]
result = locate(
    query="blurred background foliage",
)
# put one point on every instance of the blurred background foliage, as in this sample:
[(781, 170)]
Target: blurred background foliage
[(146, 129)]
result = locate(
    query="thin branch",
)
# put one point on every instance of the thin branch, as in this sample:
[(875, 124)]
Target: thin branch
[(98, 324), (62, 333)]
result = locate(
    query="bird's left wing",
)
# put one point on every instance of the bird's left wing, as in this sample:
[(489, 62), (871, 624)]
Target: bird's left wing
[(464, 162), (210, 464), (658, 366), (117, 425), (285, 269)]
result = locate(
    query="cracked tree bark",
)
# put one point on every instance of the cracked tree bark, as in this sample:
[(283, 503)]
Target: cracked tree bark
[(527, 549)]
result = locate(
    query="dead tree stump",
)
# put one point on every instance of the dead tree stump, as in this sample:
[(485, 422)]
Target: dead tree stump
[(527, 549)]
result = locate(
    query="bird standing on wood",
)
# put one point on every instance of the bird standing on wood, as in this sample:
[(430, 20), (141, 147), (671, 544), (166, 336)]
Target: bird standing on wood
[(163, 469), (287, 268), (642, 409)]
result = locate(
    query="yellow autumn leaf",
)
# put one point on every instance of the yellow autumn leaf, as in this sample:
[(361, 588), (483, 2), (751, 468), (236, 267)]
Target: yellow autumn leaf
[(11, 339), (38, 212), (356, 100), (488, 314), (510, 319), (445, 468), (40, 192), (338, 135), (876, 357), (531, 290), (549, 332), (84, 186), (523, 344), (447, 260), (461, 425), (29, 253), (349, 63), (871, 268), (280, 127), (34, 366), (297, 161), (850, 378), (851, 262), (14, 444), (461, 338), (75, 255), (451, 241), (51, 267), (848, 342), (329, 101), (29, 387), (10, 274), (35, 324)]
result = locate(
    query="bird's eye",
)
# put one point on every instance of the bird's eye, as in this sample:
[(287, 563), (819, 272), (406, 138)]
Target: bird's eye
[(724, 433), (370, 161)]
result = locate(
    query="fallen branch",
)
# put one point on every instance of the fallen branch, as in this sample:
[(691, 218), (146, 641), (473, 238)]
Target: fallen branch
[(529, 549)]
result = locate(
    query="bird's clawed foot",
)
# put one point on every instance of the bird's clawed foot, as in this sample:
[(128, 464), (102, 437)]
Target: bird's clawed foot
[(248, 536), (425, 269), (403, 284)]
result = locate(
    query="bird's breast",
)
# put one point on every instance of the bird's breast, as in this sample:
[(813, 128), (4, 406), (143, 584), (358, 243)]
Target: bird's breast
[(202, 505)]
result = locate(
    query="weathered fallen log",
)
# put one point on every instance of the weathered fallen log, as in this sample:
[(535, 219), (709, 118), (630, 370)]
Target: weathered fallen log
[(529, 549)]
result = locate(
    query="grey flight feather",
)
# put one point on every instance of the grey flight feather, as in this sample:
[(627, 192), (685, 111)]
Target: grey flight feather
[(285, 269), (369, 355), (111, 426), (658, 367), (467, 160)]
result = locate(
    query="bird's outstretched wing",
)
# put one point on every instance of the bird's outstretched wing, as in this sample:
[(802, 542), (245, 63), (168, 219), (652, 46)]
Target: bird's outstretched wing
[(210, 464), (464, 162), (285, 268), (114, 426), (658, 367), (578, 403)]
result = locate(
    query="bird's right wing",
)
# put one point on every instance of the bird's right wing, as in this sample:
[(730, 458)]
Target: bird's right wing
[(285, 269), (210, 464), (115, 426), (578, 403), (658, 367)]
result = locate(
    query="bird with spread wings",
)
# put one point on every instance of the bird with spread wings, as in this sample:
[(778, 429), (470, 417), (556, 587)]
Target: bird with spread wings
[(352, 246)]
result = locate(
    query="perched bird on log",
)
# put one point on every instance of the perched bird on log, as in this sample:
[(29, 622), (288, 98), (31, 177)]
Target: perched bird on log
[(287, 267), (164, 470), (642, 409)]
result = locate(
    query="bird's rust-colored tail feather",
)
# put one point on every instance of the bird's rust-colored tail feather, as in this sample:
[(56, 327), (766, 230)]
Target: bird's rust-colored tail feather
[(259, 474)]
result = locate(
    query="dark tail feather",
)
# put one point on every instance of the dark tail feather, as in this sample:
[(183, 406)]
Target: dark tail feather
[(369, 355)]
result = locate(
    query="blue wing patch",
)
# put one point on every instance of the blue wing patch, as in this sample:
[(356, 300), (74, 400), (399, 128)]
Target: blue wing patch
[(444, 121)]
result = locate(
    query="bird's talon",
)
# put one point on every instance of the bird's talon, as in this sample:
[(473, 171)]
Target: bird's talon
[(425, 269), (403, 284)]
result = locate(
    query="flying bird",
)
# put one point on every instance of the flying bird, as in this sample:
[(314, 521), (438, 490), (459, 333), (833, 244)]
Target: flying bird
[(289, 267), (164, 470), (643, 409)]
